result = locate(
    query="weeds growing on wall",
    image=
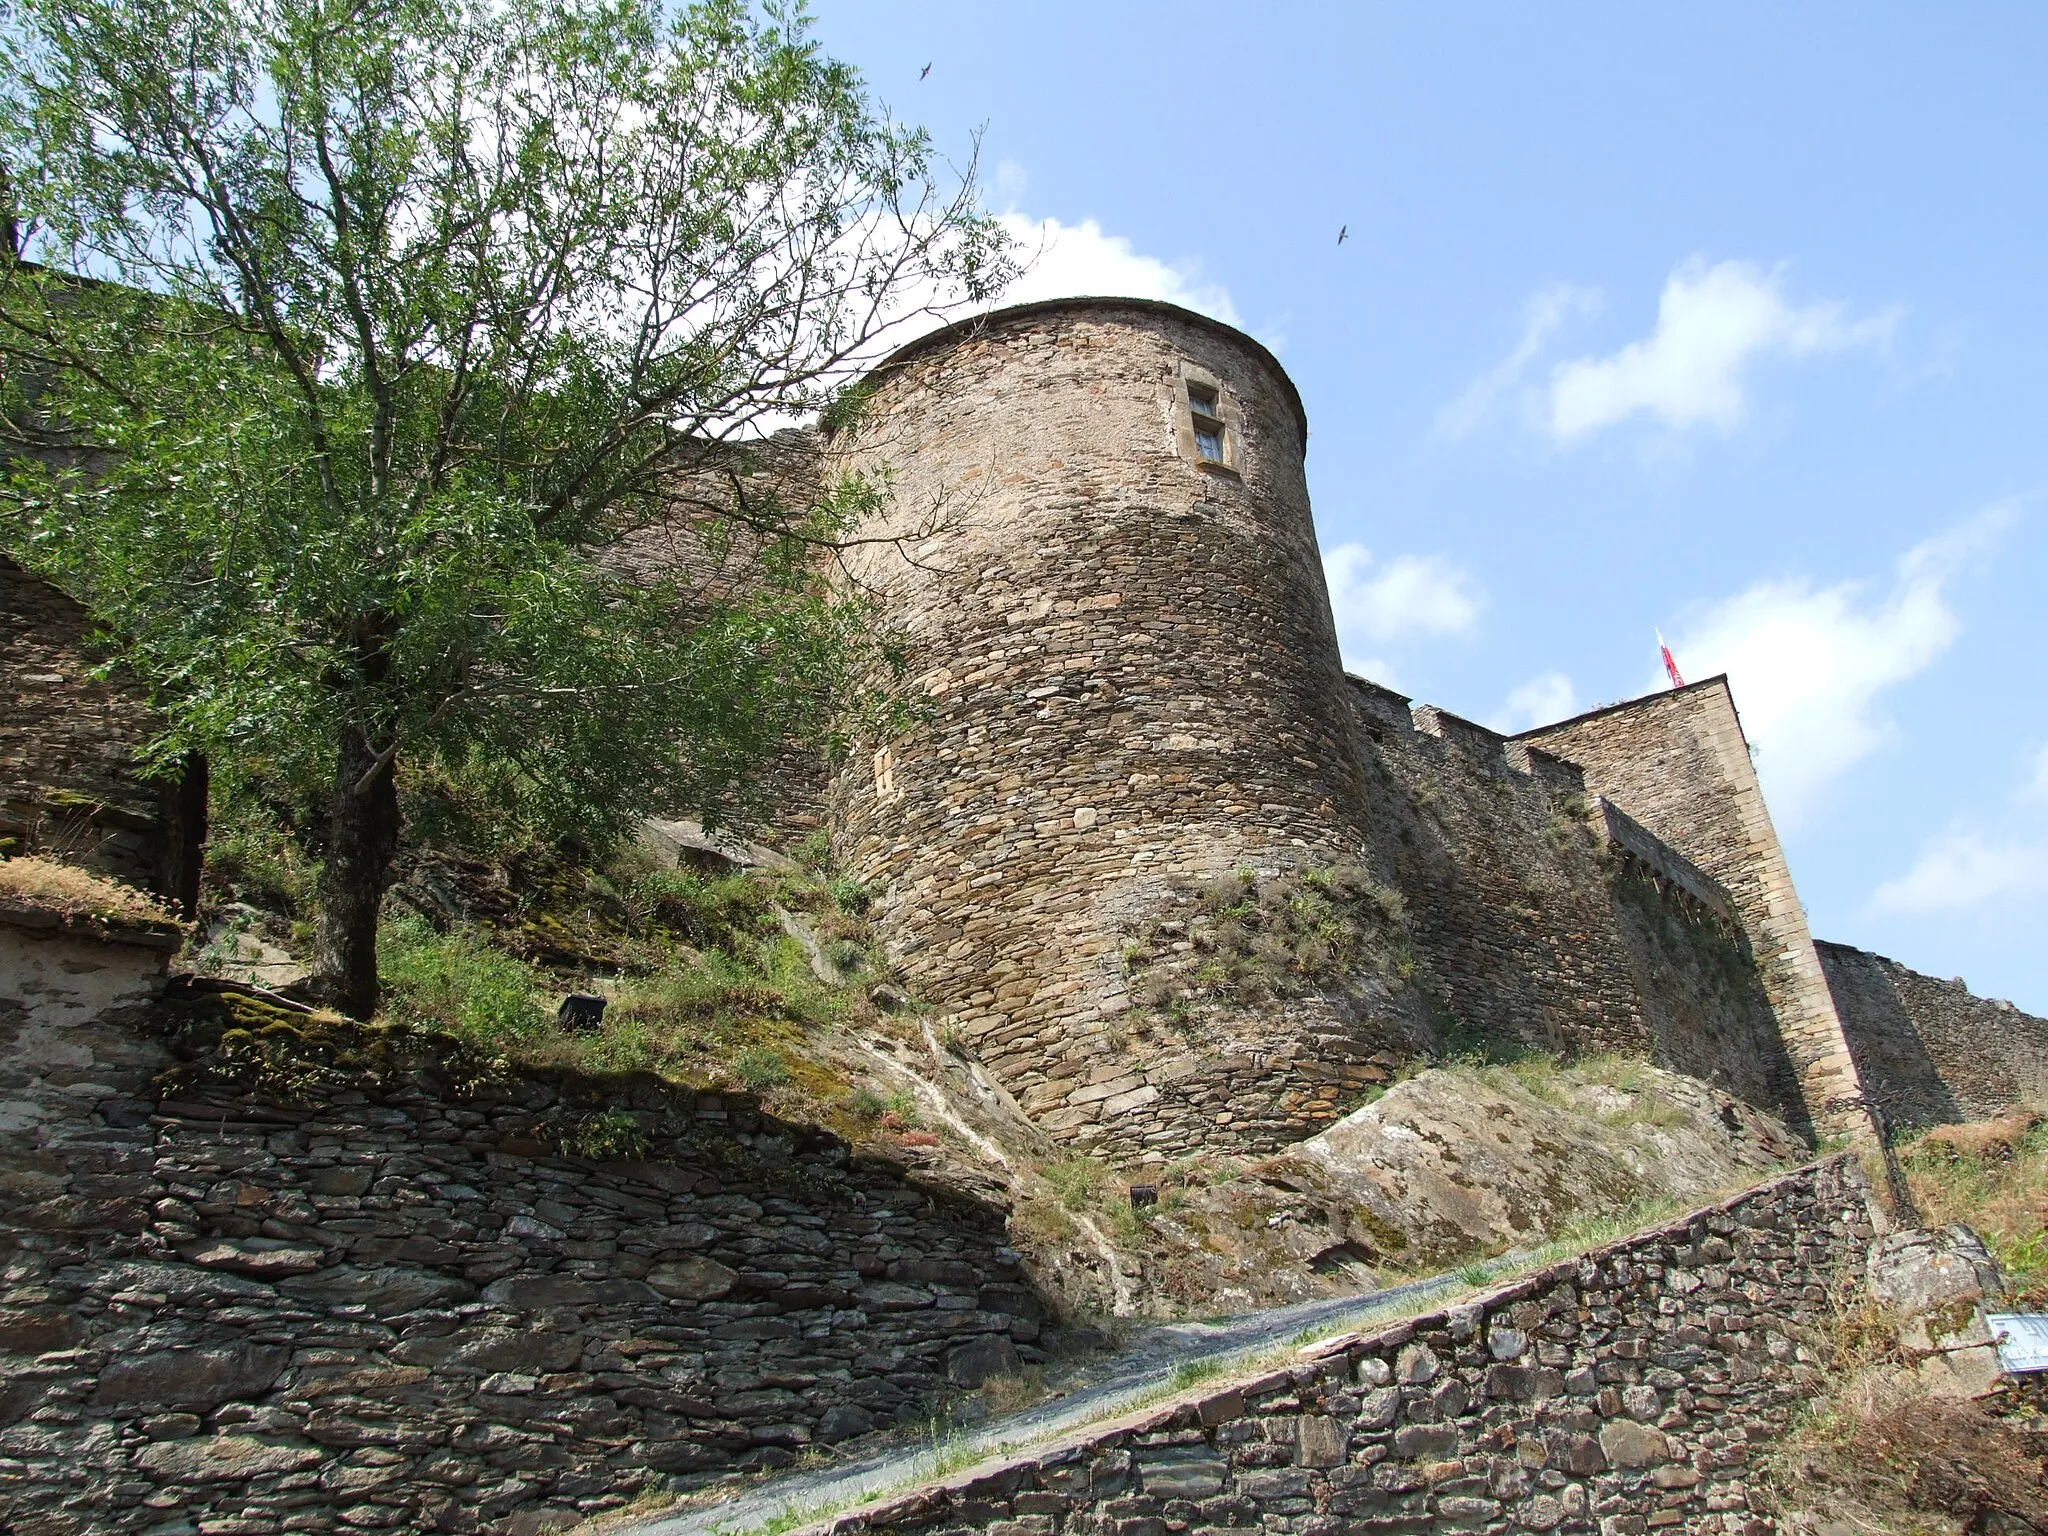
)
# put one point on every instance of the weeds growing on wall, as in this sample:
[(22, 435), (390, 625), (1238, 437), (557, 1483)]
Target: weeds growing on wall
[(1246, 939)]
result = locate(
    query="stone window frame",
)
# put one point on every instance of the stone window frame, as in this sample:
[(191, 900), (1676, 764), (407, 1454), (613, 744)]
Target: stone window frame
[(1194, 377)]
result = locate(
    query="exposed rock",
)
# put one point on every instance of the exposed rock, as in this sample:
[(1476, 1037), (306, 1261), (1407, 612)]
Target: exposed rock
[(1456, 1160), (223, 1459), (189, 1378), (262, 1258), (386, 1289), (692, 1279), (975, 1362), (1938, 1284)]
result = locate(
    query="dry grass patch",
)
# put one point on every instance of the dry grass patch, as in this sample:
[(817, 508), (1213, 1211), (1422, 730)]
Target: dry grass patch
[(41, 882), (1993, 1176), (1885, 1459)]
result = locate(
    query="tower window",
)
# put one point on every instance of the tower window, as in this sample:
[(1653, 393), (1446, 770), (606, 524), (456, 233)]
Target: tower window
[(1208, 421)]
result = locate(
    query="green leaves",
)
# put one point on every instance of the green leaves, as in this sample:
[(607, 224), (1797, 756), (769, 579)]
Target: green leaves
[(359, 331)]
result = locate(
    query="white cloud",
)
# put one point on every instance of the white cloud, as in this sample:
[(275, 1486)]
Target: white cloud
[(1960, 870), (2035, 790), (1713, 322), (1540, 701), (1546, 313), (1809, 665), (1396, 599), (1965, 869), (1065, 261)]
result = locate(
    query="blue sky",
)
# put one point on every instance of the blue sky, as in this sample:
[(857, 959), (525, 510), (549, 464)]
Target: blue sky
[(1730, 321)]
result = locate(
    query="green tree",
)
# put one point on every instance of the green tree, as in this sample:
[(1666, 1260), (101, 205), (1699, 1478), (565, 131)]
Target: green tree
[(343, 337)]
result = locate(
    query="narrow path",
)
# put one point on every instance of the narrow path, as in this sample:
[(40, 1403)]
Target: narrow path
[(1107, 1387)]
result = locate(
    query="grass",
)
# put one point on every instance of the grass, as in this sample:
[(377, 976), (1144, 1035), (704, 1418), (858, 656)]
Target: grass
[(1993, 1176), (1879, 1454), (36, 881), (723, 992)]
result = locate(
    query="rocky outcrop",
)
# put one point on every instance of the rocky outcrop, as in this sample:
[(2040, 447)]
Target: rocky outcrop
[(1453, 1164)]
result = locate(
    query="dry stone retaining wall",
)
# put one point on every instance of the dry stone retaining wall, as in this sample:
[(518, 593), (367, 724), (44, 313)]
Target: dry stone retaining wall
[(404, 1310), (1629, 1391), (1928, 1050)]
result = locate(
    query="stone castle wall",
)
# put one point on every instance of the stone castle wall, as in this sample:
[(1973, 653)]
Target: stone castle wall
[(1128, 677), (399, 1307), (707, 534), (1627, 1391), (69, 783), (1543, 921), (1678, 763), (1928, 1051)]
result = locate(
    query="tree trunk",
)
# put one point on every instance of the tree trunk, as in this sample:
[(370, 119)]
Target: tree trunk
[(362, 841)]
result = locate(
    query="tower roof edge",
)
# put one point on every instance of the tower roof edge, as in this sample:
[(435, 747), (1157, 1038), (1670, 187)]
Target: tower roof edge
[(968, 326)]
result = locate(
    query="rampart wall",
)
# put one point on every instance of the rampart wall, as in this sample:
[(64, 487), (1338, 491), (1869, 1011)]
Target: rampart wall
[(1129, 680), (1544, 920), (1678, 763), (393, 1304), (1626, 1391), (708, 534), (1928, 1051), (69, 783)]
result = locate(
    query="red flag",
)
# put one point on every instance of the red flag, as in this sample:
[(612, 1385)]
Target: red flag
[(1670, 666)]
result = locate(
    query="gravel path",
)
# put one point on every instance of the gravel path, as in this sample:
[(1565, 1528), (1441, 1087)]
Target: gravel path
[(1095, 1391)]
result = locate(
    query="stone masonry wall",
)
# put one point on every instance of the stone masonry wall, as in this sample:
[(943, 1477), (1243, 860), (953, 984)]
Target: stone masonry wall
[(68, 742), (1678, 763), (404, 1309), (1129, 678), (1928, 1052), (1624, 1392), (701, 536), (1542, 921)]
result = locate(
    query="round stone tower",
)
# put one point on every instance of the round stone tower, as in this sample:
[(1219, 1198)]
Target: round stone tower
[(1096, 537)]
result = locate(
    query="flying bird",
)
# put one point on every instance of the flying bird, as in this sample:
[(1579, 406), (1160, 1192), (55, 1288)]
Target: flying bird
[(923, 72), (1342, 233)]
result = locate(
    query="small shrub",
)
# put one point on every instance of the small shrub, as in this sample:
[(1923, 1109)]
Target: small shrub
[(1079, 1181), (758, 1069), (866, 1104), (610, 1133), (251, 854), (459, 983)]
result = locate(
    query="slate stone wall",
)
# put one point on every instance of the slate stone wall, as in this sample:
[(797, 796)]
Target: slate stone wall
[(1679, 763), (405, 1310), (1625, 1392), (1545, 921), (1928, 1051), (701, 535), (69, 784), (1128, 676)]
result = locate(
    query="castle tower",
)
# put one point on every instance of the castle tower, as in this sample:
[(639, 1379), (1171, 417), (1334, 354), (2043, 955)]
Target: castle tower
[(1122, 647)]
